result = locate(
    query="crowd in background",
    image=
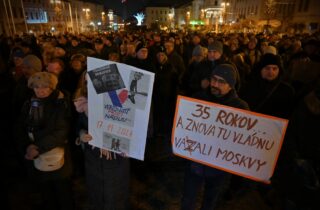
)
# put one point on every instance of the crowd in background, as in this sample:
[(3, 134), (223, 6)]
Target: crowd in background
[(182, 63)]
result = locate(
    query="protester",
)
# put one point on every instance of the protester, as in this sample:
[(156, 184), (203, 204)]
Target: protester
[(31, 65), (300, 155), (17, 56), (164, 99), (107, 174), (142, 59), (175, 59), (221, 91), (42, 131), (266, 92)]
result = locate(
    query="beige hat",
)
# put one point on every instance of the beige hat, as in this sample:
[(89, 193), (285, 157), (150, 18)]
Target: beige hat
[(45, 79)]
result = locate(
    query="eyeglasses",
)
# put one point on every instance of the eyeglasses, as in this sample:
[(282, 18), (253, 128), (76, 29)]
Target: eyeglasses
[(218, 80)]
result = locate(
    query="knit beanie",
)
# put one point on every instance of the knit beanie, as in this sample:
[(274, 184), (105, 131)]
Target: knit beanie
[(216, 46), (32, 62), (269, 59), (161, 49), (227, 72), (197, 51), (140, 46), (45, 79)]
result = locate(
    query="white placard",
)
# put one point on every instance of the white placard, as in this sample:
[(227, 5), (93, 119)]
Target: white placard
[(234, 140), (119, 105)]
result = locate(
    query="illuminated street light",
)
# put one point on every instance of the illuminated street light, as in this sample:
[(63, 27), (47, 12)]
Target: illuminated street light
[(111, 20), (86, 10), (171, 16), (188, 18)]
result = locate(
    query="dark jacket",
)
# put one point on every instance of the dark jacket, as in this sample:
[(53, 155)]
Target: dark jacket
[(48, 120), (232, 100), (164, 97), (141, 64), (269, 97), (177, 61)]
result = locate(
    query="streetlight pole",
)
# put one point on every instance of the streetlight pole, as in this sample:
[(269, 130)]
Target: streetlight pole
[(13, 24), (24, 16), (7, 16), (103, 20), (77, 22), (71, 18)]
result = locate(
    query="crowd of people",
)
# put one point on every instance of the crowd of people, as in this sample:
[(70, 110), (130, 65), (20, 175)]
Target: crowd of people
[(44, 109)]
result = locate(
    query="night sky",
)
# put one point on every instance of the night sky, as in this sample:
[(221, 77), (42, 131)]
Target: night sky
[(131, 7)]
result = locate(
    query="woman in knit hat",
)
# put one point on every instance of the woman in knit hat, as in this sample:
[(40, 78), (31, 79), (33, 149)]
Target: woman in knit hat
[(266, 92), (42, 134)]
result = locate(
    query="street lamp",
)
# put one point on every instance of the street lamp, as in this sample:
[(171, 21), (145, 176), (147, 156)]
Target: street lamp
[(188, 19), (170, 15), (103, 19), (87, 15), (110, 16), (86, 10)]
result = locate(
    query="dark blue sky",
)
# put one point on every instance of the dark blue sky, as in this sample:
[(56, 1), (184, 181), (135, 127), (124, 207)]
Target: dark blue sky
[(133, 6), (129, 8)]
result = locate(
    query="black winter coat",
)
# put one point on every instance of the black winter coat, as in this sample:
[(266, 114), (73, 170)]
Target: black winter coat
[(50, 127), (269, 97), (164, 97), (232, 100)]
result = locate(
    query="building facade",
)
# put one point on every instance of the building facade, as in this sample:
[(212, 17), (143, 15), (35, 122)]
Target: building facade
[(161, 17), (296, 16), (38, 16)]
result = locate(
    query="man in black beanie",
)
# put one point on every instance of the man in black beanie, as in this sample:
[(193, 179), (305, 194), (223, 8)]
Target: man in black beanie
[(221, 91), (142, 60)]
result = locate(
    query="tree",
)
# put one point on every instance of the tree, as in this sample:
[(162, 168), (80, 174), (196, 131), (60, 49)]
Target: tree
[(139, 17)]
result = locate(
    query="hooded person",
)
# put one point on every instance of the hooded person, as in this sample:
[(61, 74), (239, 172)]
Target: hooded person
[(221, 91), (266, 92)]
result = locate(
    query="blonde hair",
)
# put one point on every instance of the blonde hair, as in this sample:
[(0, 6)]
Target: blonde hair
[(82, 86)]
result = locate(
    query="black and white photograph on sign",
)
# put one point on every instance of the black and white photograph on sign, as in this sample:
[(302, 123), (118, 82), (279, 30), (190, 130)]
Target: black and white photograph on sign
[(116, 143), (106, 78), (138, 89)]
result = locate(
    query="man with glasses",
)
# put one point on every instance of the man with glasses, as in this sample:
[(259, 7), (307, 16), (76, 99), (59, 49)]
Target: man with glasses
[(221, 91)]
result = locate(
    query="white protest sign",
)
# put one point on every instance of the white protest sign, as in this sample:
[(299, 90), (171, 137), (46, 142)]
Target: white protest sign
[(119, 105), (234, 140)]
